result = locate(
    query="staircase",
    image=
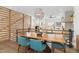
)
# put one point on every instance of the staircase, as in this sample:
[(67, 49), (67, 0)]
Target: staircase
[(10, 21)]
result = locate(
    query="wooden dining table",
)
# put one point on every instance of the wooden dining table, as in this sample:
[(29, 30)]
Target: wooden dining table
[(43, 38)]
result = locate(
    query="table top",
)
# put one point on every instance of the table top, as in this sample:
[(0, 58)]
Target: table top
[(45, 38)]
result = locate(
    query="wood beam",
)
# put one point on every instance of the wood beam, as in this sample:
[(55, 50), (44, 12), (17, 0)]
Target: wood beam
[(9, 24), (30, 22), (23, 23)]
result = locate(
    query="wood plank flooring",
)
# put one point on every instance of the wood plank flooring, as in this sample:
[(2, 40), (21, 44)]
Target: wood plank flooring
[(9, 46)]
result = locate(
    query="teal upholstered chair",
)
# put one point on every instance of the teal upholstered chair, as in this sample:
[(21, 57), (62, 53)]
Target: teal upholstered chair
[(23, 42), (37, 45), (58, 45)]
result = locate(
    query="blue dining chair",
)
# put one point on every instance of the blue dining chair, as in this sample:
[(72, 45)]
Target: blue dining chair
[(58, 45), (23, 42), (37, 45)]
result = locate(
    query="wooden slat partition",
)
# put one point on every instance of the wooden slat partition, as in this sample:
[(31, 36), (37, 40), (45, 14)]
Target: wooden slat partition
[(4, 21), (15, 24), (10, 21), (18, 21)]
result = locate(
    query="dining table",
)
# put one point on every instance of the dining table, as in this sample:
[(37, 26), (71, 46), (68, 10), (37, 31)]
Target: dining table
[(44, 38)]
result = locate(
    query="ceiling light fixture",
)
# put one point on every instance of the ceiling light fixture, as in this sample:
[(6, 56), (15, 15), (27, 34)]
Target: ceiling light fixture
[(39, 14)]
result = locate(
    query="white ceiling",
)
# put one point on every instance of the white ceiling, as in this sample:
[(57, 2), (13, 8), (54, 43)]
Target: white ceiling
[(48, 10)]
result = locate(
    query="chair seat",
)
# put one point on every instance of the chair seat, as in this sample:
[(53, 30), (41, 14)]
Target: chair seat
[(37, 45), (58, 45)]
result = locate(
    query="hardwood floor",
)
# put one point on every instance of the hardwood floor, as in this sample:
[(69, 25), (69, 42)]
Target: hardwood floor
[(9, 46)]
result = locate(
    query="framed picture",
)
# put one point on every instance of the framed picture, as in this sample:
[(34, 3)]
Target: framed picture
[(58, 25)]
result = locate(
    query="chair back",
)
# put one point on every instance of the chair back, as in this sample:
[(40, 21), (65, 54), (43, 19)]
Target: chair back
[(37, 45), (23, 41), (58, 45)]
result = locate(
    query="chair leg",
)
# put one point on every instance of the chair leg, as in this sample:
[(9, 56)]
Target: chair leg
[(52, 50), (18, 48), (26, 48), (64, 50)]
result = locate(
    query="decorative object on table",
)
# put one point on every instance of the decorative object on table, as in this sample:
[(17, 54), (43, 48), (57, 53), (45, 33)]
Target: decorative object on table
[(28, 34), (39, 34), (37, 28)]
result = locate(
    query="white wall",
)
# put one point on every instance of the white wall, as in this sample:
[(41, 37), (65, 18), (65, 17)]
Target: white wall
[(29, 10), (46, 21), (57, 11), (76, 20), (76, 23)]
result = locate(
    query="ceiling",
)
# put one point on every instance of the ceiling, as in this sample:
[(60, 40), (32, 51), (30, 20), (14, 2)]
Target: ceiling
[(48, 10)]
